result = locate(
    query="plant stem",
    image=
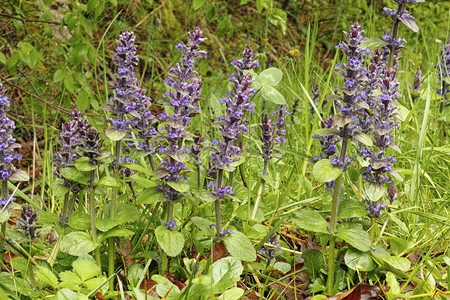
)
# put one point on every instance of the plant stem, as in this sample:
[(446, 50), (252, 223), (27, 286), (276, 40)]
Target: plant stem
[(93, 213), (170, 211), (333, 222), (65, 208), (260, 190), (394, 37), (199, 177), (217, 206), (54, 254), (373, 229), (112, 215)]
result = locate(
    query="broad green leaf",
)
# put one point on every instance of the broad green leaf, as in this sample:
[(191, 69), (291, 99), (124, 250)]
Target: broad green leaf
[(278, 18), (19, 175), (373, 43), (357, 260), (179, 186), (393, 283), (82, 101), (282, 267), (374, 192), (75, 175), (226, 272), (364, 139), (5, 214), (313, 263), (114, 134), (66, 294), (69, 278), (353, 234), (85, 267), (271, 76), (47, 276), (165, 288), (351, 208), (79, 220), (204, 225), (106, 224), (326, 131), (118, 232), (311, 221), (59, 190), (94, 283), (398, 245), (82, 164), (149, 196), (109, 181), (196, 4), (240, 246), (324, 171), (77, 243), (124, 213), (401, 263), (234, 293), (139, 168), (171, 241), (272, 95)]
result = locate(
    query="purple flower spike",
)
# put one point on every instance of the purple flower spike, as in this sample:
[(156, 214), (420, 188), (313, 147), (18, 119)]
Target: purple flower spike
[(185, 90), (7, 142)]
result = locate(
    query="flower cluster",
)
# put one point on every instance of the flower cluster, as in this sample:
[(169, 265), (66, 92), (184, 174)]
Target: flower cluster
[(328, 142), (186, 89), (129, 97), (238, 102), (354, 74), (443, 71), (90, 144), (7, 142), (273, 132), (269, 251), (27, 221), (69, 141)]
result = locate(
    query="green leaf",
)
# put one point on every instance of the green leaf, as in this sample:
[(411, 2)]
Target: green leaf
[(150, 196), (282, 267), (5, 214), (59, 190), (400, 263), (373, 43), (357, 260), (79, 220), (66, 294), (364, 139), (82, 101), (239, 246), (109, 181), (393, 283), (313, 263), (196, 4), (398, 245), (75, 175), (374, 191), (171, 241), (311, 221), (325, 171), (19, 175), (226, 272), (353, 234), (278, 18), (271, 76), (77, 243), (326, 131), (46, 276), (204, 225), (139, 168), (179, 186), (114, 134), (82, 164), (69, 277), (165, 288), (124, 212), (85, 267), (351, 208), (271, 94), (106, 224), (116, 232), (234, 293)]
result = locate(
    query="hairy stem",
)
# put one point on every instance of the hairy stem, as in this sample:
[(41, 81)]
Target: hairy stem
[(93, 214), (199, 177), (333, 221), (394, 37), (112, 215), (217, 206)]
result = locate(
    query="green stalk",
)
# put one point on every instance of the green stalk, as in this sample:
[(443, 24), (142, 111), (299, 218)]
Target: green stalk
[(93, 213), (112, 215), (373, 229), (199, 177), (55, 250), (260, 190), (217, 206), (394, 36), (333, 222)]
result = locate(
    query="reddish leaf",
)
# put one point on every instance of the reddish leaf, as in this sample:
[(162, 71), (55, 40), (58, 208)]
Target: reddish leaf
[(219, 251)]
